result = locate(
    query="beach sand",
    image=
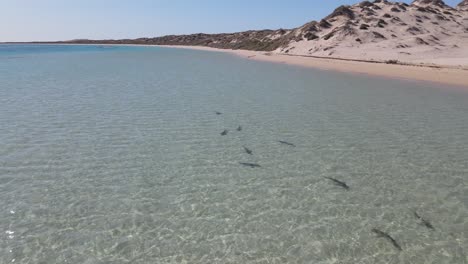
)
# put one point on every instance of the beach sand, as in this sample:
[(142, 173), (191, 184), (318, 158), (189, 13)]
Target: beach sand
[(449, 75)]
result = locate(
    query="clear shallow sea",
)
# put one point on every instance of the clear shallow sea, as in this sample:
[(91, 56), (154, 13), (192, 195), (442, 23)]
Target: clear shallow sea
[(114, 155)]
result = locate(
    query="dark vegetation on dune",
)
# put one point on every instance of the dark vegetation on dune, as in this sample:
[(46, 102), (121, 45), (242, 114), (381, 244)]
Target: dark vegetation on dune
[(250, 40)]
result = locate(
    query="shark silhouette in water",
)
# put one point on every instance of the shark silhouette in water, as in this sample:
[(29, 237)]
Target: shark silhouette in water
[(338, 183), (287, 143), (218, 113), (248, 151), (382, 234), (239, 128), (424, 221), (224, 133), (251, 165)]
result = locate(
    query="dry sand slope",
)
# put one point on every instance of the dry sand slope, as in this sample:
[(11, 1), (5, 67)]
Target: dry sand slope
[(427, 31)]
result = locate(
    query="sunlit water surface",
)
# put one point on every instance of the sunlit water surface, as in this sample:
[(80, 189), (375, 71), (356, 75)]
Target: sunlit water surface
[(114, 155)]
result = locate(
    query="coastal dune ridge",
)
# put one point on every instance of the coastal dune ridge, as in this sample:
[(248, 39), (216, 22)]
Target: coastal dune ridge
[(426, 40)]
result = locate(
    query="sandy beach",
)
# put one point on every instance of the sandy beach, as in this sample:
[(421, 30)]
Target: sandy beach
[(450, 75)]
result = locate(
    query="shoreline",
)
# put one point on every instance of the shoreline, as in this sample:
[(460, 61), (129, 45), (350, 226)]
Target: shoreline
[(457, 77), (439, 74)]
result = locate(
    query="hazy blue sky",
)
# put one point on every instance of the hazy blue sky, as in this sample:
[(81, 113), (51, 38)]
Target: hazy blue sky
[(25, 20)]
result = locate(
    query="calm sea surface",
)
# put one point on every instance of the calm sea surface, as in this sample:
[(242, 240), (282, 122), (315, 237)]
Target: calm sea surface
[(115, 155)]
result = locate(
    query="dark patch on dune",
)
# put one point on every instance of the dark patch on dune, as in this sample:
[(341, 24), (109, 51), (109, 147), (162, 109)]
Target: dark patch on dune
[(324, 24), (364, 27), (311, 36), (342, 11), (378, 35), (421, 41), (414, 30)]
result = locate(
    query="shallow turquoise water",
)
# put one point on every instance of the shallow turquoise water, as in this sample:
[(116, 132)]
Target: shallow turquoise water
[(114, 155)]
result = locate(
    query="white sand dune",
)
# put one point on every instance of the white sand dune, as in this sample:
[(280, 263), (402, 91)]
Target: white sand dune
[(427, 31)]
